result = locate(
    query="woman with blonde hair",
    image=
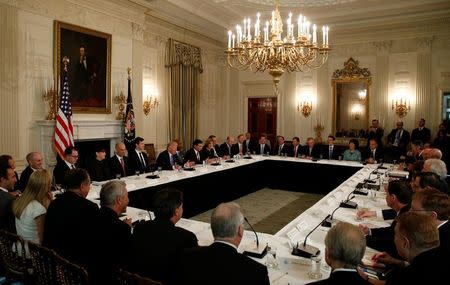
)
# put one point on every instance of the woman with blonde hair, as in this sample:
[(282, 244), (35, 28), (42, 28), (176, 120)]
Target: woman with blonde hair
[(30, 208)]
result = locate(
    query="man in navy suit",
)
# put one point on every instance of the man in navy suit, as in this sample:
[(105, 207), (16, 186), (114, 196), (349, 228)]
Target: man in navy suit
[(169, 158), (262, 147), (330, 151), (137, 158), (194, 155), (374, 153), (398, 140), (421, 133), (221, 263), (311, 150), (119, 162), (62, 166)]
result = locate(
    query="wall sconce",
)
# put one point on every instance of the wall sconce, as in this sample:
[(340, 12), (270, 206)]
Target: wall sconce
[(120, 100), (357, 111), (362, 94), (151, 102), (400, 105), (305, 107)]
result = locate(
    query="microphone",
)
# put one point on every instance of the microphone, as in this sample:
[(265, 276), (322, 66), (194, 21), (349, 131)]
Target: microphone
[(305, 250), (327, 222), (258, 252)]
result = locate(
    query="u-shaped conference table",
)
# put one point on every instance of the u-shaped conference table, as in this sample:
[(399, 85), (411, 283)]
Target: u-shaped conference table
[(208, 185)]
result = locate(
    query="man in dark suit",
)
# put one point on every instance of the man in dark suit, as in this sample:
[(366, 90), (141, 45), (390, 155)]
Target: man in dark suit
[(156, 244), (398, 140), (311, 150), (436, 204), (114, 233), (137, 158), (194, 154), (7, 181), (35, 162), (398, 197), (239, 147), (226, 147), (344, 248), (417, 242), (63, 165), (262, 147), (295, 150), (118, 163), (421, 133), (249, 143), (169, 158), (72, 221), (376, 132), (330, 151), (281, 147), (221, 263), (374, 153)]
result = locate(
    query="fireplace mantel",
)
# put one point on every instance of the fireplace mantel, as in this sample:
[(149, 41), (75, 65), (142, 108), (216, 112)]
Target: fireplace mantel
[(82, 130)]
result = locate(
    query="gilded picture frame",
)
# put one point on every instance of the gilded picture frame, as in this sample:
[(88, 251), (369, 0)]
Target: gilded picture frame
[(89, 52)]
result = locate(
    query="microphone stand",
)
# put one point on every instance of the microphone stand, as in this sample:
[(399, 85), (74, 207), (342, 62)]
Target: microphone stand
[(258, 253), (305, 250)]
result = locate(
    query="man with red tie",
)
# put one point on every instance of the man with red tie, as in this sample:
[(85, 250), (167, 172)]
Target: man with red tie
[(193, 155), (119, 162), (239, 147), (296, 147)]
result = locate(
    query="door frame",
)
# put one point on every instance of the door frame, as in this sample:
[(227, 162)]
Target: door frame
[(259, 89)]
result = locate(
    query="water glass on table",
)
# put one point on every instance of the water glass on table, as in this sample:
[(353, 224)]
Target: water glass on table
[(271, 257), (314, 272)]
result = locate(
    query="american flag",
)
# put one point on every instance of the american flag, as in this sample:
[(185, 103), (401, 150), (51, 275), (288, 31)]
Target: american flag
[(64, 127), (129, 120)]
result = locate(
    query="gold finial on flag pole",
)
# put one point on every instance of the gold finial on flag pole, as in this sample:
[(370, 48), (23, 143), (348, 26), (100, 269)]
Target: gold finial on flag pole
[(129, 72)]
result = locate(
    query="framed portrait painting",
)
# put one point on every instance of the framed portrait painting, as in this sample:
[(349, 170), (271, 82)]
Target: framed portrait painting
[(89, 68)]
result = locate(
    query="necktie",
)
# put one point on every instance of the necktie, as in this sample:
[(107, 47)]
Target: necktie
[(229, 149), (73, 166), (197, 154), (240, 148), (262, 149), (295, 151), (279, 149), (330, 152), (373, 153), (171, 159), (123, 166), (310, 150), (142, 160)]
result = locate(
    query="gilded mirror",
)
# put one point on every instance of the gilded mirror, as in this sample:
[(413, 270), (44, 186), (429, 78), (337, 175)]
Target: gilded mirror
[(351, 101)]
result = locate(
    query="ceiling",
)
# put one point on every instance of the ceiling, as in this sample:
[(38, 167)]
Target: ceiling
[(212, 18)]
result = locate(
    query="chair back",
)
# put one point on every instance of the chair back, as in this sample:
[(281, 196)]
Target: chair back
[(13, 252), (50, 268), (128, 278)]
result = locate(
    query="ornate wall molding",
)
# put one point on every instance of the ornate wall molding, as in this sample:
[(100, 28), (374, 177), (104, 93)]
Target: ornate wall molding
[(351, 70), (383, 47), (138, 32), (424, 44)]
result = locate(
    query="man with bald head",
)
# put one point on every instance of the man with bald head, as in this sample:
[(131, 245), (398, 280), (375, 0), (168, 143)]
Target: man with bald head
[(226, 149), (431, 153), (221, 263), (35, 162), (345, 245), (118, 163)]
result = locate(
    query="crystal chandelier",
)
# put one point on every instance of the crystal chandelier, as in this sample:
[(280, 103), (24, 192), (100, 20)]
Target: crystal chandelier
[(272, 53)]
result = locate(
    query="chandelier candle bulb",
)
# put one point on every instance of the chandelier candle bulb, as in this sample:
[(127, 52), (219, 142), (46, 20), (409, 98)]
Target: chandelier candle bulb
[(323, 35), (249, 35), (232, 40), (314, 34), (327, 29), (229, 39)]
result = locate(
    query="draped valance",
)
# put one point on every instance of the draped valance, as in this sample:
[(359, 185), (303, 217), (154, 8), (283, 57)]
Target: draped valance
[(184, 54)]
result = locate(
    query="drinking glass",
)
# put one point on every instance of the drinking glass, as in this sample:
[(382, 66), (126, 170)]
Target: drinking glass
[(271, 257), (118, 175), (314, 272), (137, 172)]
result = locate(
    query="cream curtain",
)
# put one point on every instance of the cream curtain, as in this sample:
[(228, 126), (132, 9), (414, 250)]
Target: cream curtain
[(184, 66)]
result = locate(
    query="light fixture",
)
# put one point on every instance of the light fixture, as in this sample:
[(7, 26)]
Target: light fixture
[(268, 51), (151, 102), (305, 107), (120, 100), (400, 103), (356, 111), (362, 94), (266, 104)]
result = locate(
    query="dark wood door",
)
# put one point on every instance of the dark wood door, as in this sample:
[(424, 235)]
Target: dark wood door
[(262, 118)]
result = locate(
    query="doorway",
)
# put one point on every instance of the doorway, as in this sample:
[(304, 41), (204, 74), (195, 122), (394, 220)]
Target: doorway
[(262, 118)]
